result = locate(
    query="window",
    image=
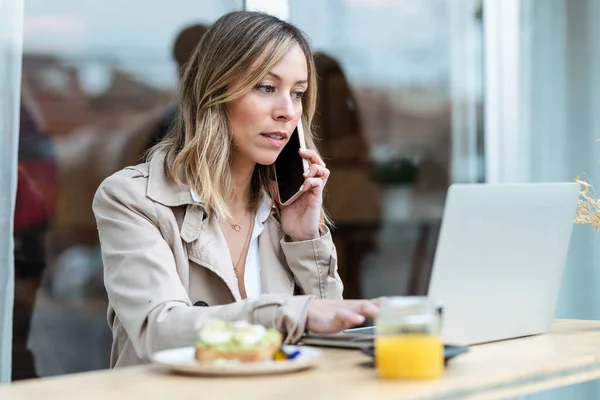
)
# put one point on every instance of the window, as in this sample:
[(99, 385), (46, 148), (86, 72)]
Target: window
[(99, 81)]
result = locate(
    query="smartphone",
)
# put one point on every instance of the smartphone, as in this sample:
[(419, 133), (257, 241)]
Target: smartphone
[(290, 167)]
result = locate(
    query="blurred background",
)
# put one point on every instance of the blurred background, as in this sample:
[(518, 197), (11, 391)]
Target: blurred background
[(414, 95)]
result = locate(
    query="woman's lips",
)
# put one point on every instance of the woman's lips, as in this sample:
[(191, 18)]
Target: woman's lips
[(273, 139)]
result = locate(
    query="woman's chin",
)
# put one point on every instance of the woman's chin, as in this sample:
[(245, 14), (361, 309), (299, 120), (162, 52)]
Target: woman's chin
[(265, 162), (266, 159), (259, 157)]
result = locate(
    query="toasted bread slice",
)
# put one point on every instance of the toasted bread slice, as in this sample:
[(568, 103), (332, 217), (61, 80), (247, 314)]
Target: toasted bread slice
[(247, 356), (238, 340)]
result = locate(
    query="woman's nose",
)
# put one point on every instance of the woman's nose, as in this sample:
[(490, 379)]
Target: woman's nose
[(285, 109)]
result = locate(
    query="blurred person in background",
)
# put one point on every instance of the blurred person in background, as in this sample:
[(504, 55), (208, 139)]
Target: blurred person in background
[(37, 186), (156, 128), (353, 197)]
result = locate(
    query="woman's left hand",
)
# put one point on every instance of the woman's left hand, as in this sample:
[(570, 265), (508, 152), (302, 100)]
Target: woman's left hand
[(301, 219)]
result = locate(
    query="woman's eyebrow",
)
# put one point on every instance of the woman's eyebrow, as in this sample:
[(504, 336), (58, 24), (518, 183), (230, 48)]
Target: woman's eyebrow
[(274, 75)]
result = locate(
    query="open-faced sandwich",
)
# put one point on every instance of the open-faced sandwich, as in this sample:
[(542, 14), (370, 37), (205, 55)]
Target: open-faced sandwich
[(240, 340)]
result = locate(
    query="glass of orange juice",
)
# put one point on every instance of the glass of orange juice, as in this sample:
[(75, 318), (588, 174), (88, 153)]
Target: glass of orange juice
[(407, 342)]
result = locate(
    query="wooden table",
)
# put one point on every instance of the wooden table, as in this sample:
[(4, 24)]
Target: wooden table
[(569, 354)]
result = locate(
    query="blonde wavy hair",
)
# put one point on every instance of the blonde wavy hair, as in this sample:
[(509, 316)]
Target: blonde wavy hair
[(233, 56)]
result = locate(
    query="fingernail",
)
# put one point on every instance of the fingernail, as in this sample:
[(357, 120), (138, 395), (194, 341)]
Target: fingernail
[(305, 173), (301, 187), (359, 319)]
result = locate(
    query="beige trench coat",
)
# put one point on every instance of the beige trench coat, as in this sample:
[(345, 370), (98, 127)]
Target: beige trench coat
[(163, 254)]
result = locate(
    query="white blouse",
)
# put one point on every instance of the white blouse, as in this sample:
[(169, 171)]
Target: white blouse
[(253, 267)]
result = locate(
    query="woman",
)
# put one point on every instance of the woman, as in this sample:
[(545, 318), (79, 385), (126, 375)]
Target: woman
[(194, 233)]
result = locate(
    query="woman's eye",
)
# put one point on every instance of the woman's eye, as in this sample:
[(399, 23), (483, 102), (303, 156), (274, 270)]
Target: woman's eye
[(266, 88), (298, 95)]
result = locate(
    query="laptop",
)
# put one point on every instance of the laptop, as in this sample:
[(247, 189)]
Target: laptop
[(500, 258), (498, 264)]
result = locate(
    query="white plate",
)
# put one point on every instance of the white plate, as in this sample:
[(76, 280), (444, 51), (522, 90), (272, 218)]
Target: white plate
[(183, 360)]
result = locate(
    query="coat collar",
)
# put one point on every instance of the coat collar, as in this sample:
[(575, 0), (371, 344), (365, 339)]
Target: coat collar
[(163, 189), (198, 231)]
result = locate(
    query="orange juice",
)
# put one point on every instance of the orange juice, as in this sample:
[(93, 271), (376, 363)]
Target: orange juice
[(410, 356)]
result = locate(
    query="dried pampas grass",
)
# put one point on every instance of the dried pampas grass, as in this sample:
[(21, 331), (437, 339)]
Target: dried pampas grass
[(588, 206)]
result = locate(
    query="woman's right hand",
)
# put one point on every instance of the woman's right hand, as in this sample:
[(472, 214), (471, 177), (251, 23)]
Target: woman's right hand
[(329, 316)]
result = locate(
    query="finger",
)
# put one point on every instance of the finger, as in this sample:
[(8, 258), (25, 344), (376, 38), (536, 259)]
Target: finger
[(314, 184), (311, 156), (369, 310), (378, 300), (345, 319), (317, 171), (365, 308)]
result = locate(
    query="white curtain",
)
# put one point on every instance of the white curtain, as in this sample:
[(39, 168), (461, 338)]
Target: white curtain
[(542, 121), (11, 38)]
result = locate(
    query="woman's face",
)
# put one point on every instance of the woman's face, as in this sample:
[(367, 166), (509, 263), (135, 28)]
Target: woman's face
[(262, 120)]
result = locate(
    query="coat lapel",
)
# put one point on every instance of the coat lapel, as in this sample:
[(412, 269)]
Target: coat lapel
[(210, 250), (275, 276), (205, 242)]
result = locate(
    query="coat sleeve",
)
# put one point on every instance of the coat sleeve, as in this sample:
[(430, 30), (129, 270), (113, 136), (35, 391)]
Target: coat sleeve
[(143, 287), (314, 265)]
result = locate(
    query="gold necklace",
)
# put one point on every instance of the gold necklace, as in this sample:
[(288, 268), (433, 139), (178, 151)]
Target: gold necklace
[(237, 227), (245, 248)]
